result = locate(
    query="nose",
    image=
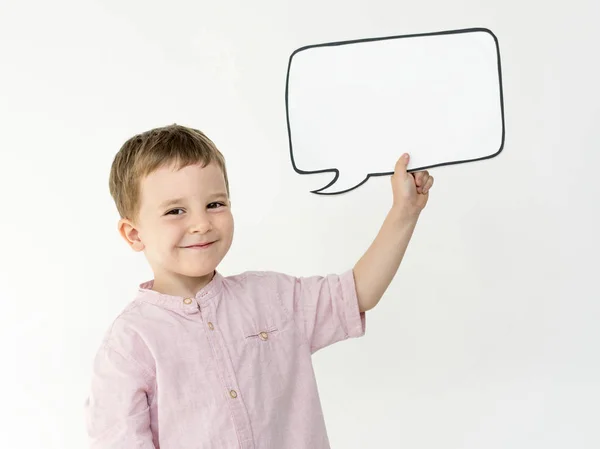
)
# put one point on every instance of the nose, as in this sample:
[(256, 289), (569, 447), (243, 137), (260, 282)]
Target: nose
[(201, 224)]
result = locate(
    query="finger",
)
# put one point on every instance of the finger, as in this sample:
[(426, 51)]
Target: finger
[(421, 179), (428, 185), (402, 164)]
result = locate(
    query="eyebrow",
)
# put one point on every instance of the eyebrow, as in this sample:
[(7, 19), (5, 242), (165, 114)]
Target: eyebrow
[(173, 201)]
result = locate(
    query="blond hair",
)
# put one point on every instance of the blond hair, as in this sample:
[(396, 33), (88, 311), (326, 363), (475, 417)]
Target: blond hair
[(144, 153)]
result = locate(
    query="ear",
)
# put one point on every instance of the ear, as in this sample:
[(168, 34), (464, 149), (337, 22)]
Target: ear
[(130, 234)]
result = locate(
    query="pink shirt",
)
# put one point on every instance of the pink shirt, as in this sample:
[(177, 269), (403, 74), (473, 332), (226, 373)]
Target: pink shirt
[(229, 368)]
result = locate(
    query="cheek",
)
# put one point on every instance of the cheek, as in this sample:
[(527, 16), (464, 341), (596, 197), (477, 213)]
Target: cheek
[(168, 235), (226, 224)]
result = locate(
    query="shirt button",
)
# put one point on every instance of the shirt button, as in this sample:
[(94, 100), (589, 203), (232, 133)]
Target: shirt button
[(187, 300), (210, 326), (233, 394), (264, 335)]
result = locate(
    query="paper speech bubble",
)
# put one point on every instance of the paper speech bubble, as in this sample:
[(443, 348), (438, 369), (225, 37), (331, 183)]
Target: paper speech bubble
[(353, 107)]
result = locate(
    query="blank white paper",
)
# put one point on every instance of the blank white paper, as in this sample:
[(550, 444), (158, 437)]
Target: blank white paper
[(356, 106)]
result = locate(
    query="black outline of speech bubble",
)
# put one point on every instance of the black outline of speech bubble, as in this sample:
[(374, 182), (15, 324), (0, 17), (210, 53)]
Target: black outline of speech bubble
[(369, 175)]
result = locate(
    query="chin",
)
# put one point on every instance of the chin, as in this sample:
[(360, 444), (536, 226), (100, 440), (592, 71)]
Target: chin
[(198, 269), (195, 266), (197, 272)]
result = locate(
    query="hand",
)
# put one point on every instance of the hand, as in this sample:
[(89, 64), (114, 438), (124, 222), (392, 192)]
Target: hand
[(411, 190)]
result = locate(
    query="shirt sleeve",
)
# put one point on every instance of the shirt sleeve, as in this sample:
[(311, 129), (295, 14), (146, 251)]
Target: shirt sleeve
[(117, 407), (325, 308)]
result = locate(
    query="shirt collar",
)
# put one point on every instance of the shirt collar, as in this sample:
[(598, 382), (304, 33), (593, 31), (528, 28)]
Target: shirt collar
[(181, 304)]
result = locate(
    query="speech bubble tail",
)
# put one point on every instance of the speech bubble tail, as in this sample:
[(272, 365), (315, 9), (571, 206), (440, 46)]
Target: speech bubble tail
[(341, 184)]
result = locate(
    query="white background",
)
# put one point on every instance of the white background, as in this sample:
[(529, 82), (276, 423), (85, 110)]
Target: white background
[(488, 336)]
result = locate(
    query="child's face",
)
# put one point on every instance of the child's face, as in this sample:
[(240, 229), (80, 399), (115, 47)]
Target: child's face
[(179, 209)]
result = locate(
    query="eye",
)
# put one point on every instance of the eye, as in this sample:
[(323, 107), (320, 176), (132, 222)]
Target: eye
[(215, 205), (174, 210)]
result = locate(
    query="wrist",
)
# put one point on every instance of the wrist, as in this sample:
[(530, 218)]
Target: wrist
[(402, 216)]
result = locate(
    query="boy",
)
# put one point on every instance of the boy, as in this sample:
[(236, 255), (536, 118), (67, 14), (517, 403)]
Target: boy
[(199, 360)]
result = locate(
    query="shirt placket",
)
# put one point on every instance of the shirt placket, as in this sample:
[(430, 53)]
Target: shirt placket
[(237, 407)]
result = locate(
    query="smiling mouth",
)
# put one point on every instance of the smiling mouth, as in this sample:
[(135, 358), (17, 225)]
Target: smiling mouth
[(199, 246)]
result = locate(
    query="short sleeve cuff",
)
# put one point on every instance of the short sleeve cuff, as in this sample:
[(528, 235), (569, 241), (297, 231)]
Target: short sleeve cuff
[(355, 320)]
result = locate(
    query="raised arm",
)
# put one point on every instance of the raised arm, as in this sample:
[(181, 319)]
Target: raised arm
[(375, 270)]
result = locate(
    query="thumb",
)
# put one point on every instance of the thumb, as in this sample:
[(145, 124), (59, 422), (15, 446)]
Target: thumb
[(402, 164)]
